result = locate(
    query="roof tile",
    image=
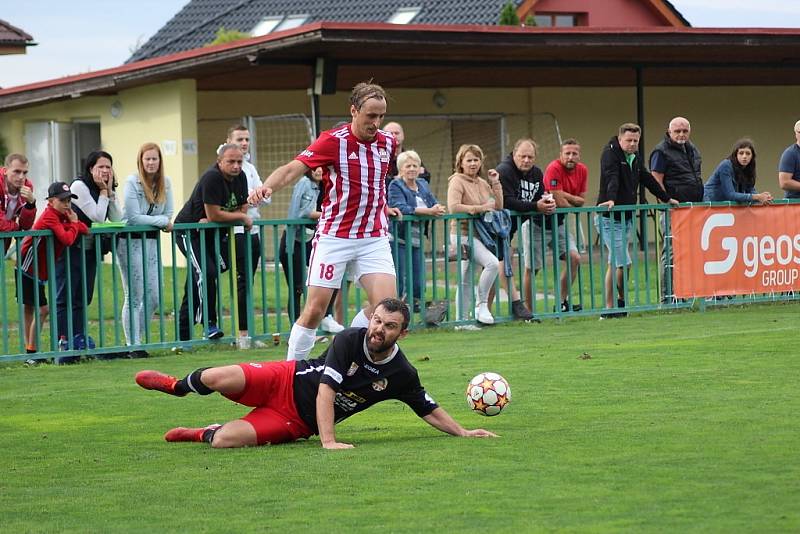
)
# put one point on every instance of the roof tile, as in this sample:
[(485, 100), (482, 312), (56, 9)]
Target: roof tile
[(196, 24)]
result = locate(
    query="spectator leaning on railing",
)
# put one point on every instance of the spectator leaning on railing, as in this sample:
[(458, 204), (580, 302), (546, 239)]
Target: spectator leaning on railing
[(17, 203), (789, 167), (239, 135), (95, 202), (147, 201), (734, 179), (566, 178), (468, 193), (523, 189), (220, 196), (676, 163), (621, 171), (412, 196), (59, 218)]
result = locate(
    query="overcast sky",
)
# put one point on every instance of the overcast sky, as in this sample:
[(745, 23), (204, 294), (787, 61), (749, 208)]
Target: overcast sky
[(75, 37)]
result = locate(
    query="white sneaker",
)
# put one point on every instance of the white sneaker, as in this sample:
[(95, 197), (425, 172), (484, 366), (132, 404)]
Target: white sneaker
[(483, 315), (329, 324)]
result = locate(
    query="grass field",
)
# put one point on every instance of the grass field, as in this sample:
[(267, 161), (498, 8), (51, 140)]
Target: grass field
[(655, 423)]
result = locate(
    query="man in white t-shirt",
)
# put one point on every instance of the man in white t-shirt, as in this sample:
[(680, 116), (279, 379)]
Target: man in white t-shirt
[(240, 135)]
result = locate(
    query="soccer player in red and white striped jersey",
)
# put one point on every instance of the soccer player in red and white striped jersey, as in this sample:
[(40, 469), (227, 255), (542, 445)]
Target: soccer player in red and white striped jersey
[(353, 226)]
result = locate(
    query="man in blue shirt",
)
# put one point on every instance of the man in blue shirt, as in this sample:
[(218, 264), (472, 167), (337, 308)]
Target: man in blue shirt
[(789, 167)]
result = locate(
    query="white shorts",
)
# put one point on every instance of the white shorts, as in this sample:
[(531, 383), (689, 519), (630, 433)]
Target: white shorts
[(331, 257)]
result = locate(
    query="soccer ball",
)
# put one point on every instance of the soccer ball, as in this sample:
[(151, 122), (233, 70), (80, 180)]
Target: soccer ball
[(488, 394)]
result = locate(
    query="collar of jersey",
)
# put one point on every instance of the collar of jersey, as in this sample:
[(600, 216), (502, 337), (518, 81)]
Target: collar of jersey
[(382, 362)]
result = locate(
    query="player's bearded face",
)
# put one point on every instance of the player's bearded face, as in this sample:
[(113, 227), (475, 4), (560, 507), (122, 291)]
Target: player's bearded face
[(385, 328)]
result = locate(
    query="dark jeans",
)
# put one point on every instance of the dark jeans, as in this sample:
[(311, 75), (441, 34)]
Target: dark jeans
[(416, 271), (201, 281), (244, 287), (71, 260), (297, 281)]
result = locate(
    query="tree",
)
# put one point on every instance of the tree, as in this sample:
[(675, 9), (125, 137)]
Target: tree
[(224, 35), (529, 20), (508, 15)]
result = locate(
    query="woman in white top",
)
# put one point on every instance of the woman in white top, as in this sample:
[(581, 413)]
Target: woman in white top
[(95, 202), (147, 202)]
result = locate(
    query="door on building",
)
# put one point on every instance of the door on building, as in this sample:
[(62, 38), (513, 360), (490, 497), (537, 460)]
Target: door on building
[(57, 150)]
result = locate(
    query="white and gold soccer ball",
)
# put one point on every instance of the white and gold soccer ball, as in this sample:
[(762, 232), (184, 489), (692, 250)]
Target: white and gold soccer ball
[(488, 394)]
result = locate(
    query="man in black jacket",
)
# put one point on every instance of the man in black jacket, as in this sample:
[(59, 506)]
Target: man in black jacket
[(621, 171), (675, 163), (523, 190)]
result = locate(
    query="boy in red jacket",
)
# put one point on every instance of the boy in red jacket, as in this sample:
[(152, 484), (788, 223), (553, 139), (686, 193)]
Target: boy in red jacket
[(59, 218)]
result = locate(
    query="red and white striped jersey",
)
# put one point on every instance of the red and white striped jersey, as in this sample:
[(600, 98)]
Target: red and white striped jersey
[(354, 195)]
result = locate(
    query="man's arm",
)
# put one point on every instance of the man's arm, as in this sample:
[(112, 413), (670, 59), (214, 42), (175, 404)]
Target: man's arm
[(658, 166), (441, 420), (609, 177), (280, 178), (325, 422), (659, 176), (654, 186), (568, 200), (216, 214), (787, 183)]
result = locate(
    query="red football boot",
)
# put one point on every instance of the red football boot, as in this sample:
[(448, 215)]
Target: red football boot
[(187, 434), (158, 381)]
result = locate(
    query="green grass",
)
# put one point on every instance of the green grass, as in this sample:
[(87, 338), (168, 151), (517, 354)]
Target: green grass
[(674, 422)]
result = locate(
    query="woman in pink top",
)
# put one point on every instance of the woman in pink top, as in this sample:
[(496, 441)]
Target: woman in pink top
[(468, 193)]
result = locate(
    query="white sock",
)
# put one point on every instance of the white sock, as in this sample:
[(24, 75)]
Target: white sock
[(301, 341), (360, 320)]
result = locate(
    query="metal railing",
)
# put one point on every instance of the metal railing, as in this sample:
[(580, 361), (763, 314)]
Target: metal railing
[(443, 266)]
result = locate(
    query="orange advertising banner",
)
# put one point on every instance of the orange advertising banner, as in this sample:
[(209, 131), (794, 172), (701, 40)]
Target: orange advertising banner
[(735, 250)]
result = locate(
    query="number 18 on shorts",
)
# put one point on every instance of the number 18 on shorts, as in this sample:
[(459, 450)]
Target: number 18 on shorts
[(330, 257)]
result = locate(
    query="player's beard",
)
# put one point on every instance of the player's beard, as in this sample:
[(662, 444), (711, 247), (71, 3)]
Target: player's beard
[(380, 343)]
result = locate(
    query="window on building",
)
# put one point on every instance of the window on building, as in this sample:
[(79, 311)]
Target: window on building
[(559, 20), (265, 26), (404, 15), (277, 23), (292, 21)]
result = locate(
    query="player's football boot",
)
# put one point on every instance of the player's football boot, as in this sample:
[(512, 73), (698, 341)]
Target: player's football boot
[(158, 381), (182, 433)]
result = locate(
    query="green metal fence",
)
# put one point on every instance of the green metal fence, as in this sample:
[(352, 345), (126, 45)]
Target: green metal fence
[(447, 264)]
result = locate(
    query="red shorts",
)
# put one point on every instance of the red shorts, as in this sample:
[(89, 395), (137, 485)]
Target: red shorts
[(269, 389)]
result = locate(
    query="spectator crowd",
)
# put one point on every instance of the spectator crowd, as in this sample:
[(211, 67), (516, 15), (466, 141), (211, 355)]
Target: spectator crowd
[(231, 192)]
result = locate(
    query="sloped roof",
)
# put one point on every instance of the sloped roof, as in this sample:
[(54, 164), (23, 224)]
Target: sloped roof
[(425, 56), (11, 35), (196, 24)]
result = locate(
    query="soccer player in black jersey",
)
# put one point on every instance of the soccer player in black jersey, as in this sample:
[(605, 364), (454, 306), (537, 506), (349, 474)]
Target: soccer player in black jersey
[(297, 399)]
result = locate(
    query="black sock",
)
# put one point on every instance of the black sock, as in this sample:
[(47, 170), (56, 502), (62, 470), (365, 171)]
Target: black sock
[(191, 383), (620, 303), (208, 434)]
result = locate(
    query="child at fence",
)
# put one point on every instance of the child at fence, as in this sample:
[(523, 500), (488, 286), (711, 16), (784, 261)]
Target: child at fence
[(59, 218)]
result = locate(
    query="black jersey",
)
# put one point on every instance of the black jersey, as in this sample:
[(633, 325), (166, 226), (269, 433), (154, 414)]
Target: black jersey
[(358, 381), (213, 188)]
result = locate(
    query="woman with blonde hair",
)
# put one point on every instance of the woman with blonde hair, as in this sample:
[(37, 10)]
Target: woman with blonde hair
[(148, 202), (412, 196), (468, 193)]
